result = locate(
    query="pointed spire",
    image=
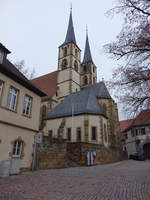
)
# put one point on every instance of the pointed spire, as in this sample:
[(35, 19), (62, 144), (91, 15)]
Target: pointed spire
[(87, 52), (70, 37)]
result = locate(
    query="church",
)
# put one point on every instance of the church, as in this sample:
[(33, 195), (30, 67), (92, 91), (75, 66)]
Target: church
[(77, 107)]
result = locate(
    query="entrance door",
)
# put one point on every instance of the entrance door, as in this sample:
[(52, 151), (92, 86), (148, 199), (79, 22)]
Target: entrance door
[(146, 149)]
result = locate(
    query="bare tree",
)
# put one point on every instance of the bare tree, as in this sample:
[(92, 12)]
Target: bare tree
[(20, 65), (132, 48)]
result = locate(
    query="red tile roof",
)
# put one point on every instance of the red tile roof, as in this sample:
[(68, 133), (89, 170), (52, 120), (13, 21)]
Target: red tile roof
[(47, 83), (125, 124), (142, 119)]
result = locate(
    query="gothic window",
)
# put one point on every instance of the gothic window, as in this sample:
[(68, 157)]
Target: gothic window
[(104, 107), (85, 80), (64, 64), (78, 134), (69, 134), (76, 52), (65, 51), (105, 133), (84, 68), (94, 135), (93, 70), (76, 66)]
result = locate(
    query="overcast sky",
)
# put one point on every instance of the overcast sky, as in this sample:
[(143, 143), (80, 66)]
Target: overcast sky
[(33, 29)]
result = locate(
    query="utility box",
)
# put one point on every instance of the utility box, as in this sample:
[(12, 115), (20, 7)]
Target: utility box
[(15, 166)]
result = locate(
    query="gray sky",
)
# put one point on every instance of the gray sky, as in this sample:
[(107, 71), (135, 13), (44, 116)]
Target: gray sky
[(33, 30)]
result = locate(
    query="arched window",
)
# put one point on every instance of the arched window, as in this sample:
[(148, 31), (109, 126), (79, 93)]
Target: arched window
[(84, 68), (105, 133), (17, 148), (65, 51), (85, 80), (64, 64), (76, 66), (76, 52), (104, 107)]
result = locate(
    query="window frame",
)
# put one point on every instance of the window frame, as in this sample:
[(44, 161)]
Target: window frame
[(15, 147), (16, 99), (69, 136), (1, 88), (1, 56), (94, 138), (30, 109), (79, 139)]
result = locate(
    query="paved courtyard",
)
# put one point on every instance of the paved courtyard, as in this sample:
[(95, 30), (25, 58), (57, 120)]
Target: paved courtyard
[(119, 181)]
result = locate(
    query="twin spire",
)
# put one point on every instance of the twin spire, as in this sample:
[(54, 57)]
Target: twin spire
[(70, 37)]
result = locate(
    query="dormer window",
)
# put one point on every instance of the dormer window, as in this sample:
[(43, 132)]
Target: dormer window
[(1, 56)]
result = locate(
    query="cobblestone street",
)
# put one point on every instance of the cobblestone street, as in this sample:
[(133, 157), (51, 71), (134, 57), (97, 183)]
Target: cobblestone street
[(127, 180)]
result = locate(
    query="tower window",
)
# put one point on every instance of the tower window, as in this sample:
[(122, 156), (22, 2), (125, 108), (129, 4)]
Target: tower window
[(76, 52), (65, 51), (85, 80), (76, 66), (64, 64)]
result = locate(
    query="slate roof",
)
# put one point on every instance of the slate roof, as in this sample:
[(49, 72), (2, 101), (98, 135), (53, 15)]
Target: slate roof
[(47, 83), (12, 72), (87, 53), (83, 102), (70, 37), (4, 48)]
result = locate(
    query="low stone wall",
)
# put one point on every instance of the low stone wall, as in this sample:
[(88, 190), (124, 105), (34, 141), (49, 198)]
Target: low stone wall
[(53, 154), (77, 152)]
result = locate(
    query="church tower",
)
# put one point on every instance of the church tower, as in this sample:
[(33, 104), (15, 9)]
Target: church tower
[(69, 57), (88, 68)]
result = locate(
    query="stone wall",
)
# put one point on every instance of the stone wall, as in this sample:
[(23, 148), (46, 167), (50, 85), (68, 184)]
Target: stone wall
[(77, 152), (53, 154)]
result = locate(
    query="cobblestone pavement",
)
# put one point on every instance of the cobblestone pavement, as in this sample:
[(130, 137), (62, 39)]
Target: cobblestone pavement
[(127, 180)]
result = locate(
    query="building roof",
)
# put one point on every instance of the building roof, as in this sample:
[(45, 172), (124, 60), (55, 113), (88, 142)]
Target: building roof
[(70, 36), (87, 52), (47, 84), (4, 48), (143, 119), (83, 102), (124, 124), (12, 72)]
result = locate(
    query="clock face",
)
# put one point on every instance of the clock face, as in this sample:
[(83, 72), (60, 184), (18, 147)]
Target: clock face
[(1, 56)]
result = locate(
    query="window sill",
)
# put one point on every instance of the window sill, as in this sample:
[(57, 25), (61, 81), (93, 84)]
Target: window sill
[(27, 116), (6, 108)]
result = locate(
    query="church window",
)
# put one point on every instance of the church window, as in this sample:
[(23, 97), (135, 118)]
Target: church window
[(104, 107), (76, 52), (93, 133), (105, 133), (78, 134), (64, 64), (1, 56), (69, 134), (65, 51), (93, 70), (76, 66), (84, 68), (85, 80)]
